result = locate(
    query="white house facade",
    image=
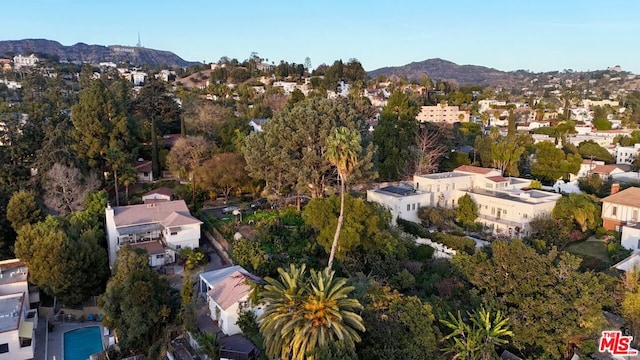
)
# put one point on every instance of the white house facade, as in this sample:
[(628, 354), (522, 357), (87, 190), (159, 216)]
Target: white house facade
[(161, 228), (226, 290), (505, 205), (627, 154)]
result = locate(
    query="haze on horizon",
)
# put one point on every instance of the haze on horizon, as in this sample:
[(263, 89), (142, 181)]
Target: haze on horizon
[(537, 36)]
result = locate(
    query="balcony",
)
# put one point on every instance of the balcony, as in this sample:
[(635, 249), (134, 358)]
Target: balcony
[(498, 220)]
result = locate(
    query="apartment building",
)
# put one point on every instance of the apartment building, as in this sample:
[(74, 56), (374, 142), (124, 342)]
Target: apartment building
[(442, 114)]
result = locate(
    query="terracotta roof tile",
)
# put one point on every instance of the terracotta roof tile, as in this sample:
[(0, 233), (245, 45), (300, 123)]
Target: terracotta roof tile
[(473, 169)]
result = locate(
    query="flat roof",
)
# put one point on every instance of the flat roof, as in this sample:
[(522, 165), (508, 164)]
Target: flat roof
[(516, 196), (397, 190), (10, 309), (12, 271)]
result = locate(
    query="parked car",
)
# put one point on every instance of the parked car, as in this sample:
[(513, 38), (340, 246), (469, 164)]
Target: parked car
[(260, 204), (230, 209)]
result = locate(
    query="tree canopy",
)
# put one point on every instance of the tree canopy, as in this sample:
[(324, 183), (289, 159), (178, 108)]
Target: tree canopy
[(289, 153), (549, 302), (138, 303)]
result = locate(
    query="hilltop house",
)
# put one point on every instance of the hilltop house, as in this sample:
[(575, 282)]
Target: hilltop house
[(505, 205), (161, 228), (226, 291), (18, 311)]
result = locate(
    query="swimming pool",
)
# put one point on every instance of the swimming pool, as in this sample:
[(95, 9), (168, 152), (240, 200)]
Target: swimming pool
[(81, 343)]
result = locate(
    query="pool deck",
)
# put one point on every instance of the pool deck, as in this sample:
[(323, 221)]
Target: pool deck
[(52, 346)]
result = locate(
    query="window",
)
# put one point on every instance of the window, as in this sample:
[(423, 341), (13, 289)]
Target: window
[(453, 186), (418, 205), (408, 207), (488, 185), (635, 215), (4, 348), (174, 230), (614, 211), (493, 211), (178, 247), (413, 206), (438, 188), (145, 174), (160, 256), (638, 244)]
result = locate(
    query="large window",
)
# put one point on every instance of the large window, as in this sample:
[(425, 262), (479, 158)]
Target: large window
[(614, 211), (4, 348)]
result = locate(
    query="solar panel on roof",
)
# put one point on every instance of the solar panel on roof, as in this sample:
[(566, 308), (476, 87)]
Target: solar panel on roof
[(398, 190)]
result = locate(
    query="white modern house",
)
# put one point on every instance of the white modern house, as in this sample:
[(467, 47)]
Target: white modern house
[(627, 154), (17, 320), (226, 290), (506, 205), (161, 228)]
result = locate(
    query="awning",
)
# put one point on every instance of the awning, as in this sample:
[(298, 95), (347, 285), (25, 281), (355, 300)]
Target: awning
[(26, 330)]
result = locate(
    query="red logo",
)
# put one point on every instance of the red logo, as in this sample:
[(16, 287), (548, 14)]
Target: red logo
[(616, 343)]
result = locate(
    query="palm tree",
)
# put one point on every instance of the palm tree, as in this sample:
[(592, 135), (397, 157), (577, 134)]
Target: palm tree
[(343, 147), (115, 159), (209, 345), (282, 298), (128, 177), (305, 314), (477, 340)]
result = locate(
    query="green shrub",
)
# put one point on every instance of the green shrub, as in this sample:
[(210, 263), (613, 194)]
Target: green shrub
[(459, 243), (413, 228), (422, 252), (617, 252)]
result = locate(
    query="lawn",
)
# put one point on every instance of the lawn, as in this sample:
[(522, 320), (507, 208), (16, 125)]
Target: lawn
[(593, 253)]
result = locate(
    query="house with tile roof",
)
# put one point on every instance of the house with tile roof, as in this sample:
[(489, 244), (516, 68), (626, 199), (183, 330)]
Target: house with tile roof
[(505, 205), (161, 228), (226, 291), (620, 208)]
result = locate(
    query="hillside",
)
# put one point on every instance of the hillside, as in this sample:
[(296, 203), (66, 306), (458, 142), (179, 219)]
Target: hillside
[(92, 53), (446, 70)]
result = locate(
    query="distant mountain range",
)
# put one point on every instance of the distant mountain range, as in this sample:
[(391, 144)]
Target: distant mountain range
[(446, 70), (92, 53)]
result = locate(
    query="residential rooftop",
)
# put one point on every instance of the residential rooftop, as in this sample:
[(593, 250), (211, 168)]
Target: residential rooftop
[(12, 271), (527, 197), (444, 175), (629, 196), (10, 310), (167, 213)]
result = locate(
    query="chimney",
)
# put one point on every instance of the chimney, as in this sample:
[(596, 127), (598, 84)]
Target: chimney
[(615, 188)]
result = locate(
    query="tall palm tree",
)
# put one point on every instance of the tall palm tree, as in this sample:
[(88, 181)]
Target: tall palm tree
[(343, 147), (304, 314)]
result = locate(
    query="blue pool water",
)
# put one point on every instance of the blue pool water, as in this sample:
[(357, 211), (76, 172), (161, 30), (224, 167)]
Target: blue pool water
[(81, 343)]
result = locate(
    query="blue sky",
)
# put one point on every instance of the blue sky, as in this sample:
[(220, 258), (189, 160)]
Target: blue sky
[(536, 35)]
